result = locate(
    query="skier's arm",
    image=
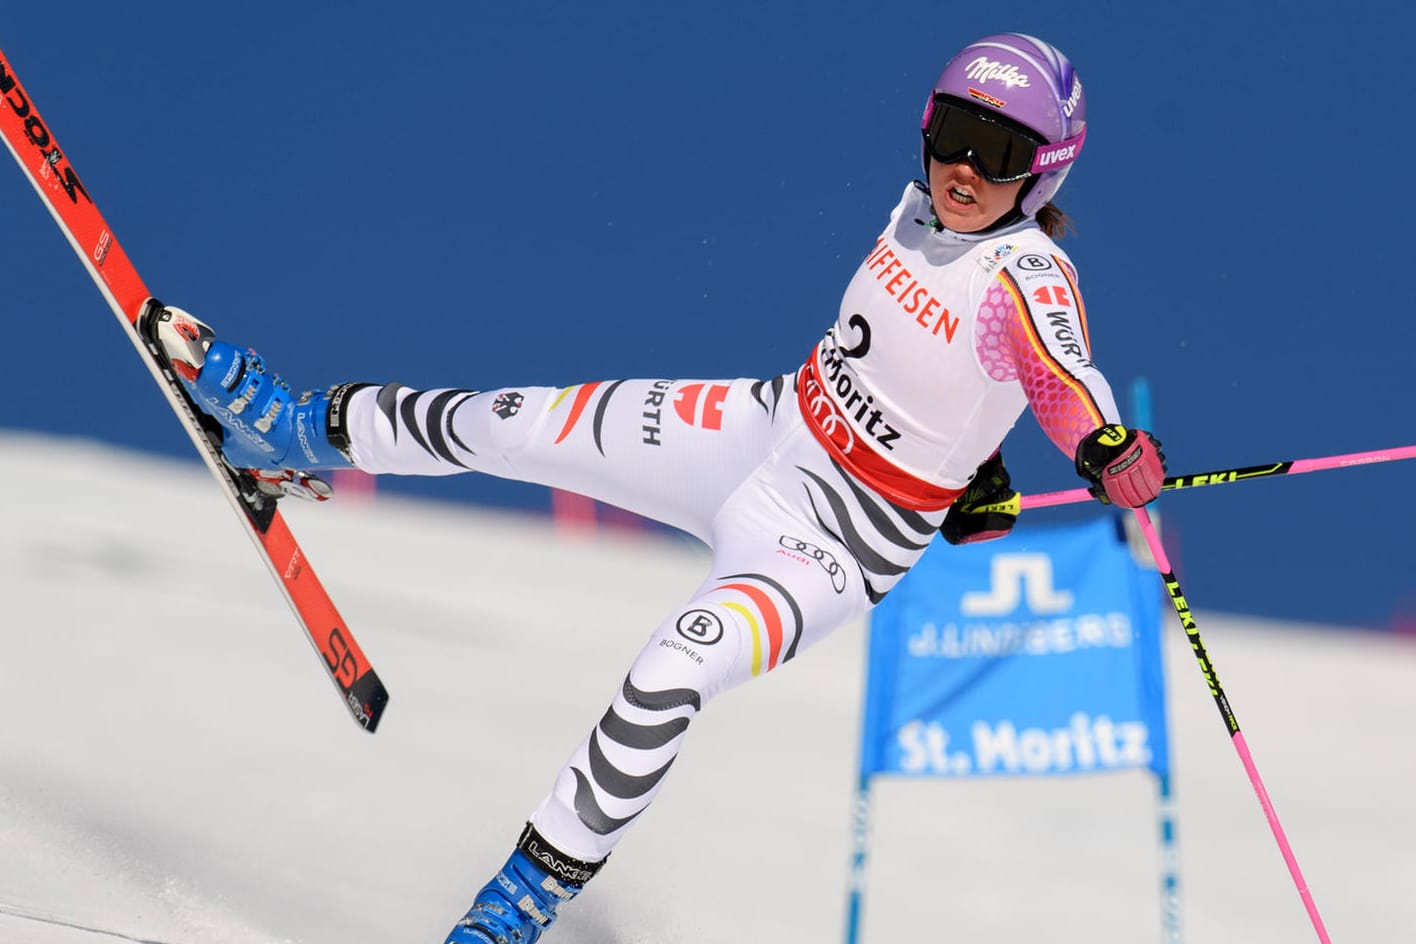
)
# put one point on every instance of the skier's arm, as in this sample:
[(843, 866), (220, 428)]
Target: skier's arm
[(1043, 341)]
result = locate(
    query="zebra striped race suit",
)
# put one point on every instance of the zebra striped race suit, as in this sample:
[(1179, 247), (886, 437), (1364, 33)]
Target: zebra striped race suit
[(816, 490)]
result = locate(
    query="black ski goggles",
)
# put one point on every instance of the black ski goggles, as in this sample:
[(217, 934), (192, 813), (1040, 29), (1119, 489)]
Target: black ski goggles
[(1000, 153)]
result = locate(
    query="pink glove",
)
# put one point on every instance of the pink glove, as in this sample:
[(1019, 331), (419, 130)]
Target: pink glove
[(1125, 466)]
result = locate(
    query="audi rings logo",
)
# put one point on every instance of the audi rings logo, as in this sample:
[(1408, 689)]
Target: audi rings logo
[(832, 424), (824, 558), (700, 626)]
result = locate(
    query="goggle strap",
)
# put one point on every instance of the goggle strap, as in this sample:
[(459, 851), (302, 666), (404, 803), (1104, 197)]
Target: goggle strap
[(1059, 155)]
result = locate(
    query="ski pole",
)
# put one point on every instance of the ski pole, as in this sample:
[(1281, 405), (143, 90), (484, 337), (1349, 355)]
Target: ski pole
[(1187, 620), (1225, 476)]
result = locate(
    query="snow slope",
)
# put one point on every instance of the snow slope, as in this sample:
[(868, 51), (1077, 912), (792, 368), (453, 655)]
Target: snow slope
[(175, 767)]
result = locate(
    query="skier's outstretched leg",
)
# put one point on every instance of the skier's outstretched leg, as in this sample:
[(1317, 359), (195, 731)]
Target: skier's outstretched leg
[(671, 450)]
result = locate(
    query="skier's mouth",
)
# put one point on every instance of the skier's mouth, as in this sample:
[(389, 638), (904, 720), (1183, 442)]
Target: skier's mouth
[(961, 196)]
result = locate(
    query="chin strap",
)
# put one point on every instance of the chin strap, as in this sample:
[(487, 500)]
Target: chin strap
[(1014, 215)]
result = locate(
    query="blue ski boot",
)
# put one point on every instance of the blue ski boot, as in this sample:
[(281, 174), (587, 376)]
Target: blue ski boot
[(266, 430), (520, 902)]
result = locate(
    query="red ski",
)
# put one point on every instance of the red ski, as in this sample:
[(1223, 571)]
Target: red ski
[(48, 170)]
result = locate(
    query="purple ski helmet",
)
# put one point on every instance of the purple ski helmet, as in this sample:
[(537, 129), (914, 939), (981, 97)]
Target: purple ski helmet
[(1027, 82)]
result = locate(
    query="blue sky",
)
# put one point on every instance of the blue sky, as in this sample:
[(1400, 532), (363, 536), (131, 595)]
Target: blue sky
[(481, 195)]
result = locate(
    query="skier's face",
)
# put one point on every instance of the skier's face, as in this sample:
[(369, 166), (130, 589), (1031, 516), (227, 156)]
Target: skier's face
[(964, 201)]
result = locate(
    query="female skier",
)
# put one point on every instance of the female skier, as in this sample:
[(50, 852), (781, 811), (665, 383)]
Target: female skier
[(816, 490)]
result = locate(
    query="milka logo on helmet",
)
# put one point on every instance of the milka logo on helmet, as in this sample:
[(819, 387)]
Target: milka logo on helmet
[(984, 70)]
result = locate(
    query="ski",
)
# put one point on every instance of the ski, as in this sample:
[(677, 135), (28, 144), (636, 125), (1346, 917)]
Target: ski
[(49, 171)]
